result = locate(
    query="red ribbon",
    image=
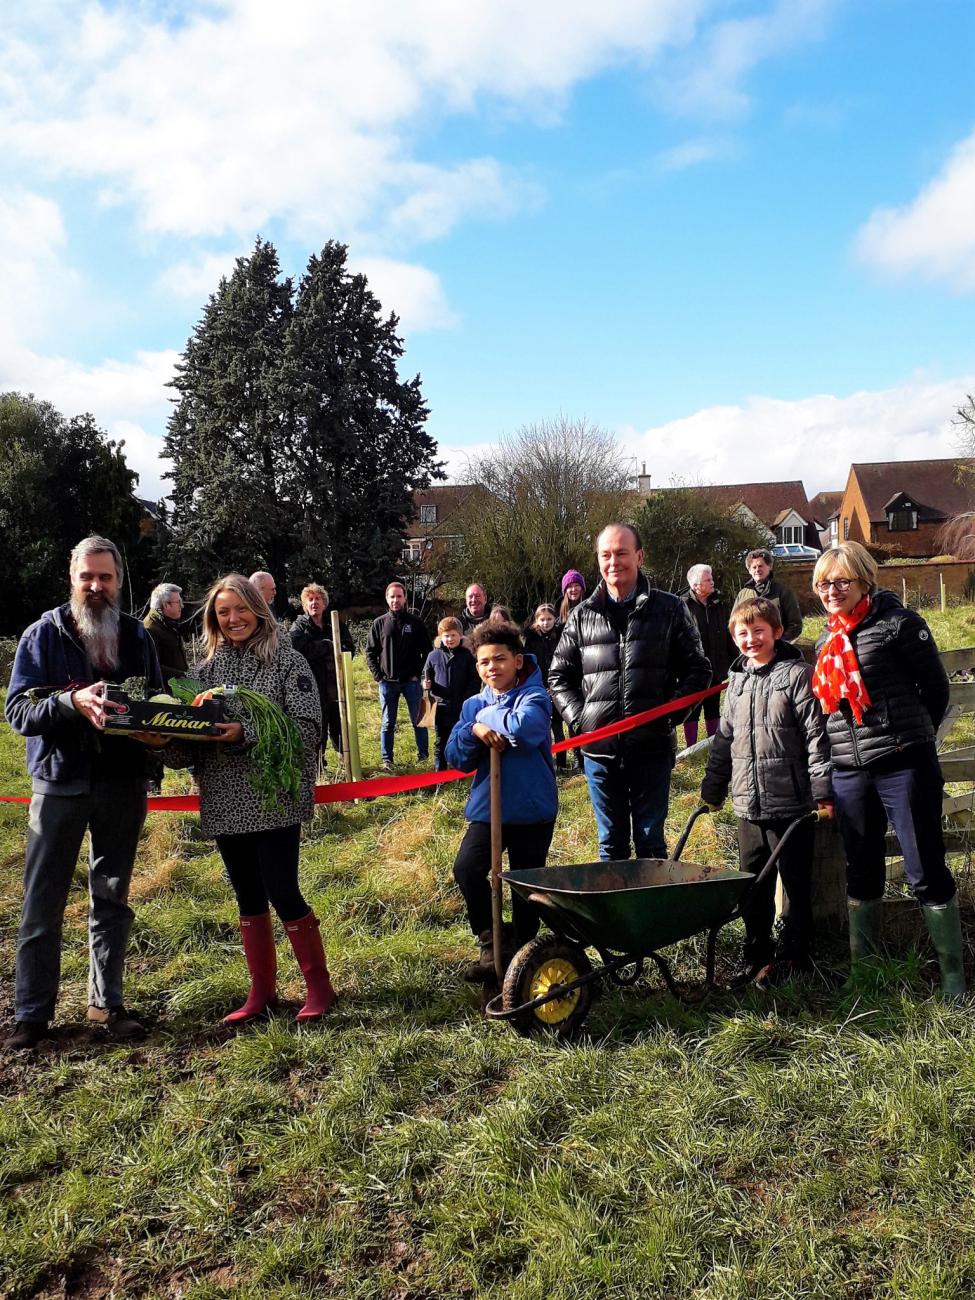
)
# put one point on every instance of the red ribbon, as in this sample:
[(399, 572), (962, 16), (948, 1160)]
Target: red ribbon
[(346, 791)]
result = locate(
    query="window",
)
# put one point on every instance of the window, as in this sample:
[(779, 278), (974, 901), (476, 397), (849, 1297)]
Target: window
[(846, 528), (834, 531), (903, 519), (428, 514), (791, 533), (412, 550)]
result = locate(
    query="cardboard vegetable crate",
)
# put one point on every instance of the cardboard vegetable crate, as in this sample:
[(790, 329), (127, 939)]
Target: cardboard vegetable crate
[(189, 721)]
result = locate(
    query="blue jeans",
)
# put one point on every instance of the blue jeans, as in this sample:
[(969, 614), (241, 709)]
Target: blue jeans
[(113, 814), (389, 696), (632, 789)]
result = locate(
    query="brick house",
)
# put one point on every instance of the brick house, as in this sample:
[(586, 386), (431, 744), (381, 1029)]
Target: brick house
[(902, 505), (434, 532), (783, 509)]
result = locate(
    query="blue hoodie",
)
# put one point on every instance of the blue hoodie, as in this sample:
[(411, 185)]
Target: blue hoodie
[(523, 716), (64, 751)]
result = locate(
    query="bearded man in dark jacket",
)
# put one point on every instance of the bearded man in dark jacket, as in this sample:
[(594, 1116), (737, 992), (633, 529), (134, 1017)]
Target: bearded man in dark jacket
[(625, 649)]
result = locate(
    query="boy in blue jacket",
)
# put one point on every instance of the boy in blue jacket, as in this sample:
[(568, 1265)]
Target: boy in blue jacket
[(512, 714)]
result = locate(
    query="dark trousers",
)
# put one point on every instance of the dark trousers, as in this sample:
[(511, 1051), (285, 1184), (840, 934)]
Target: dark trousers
[(711, 708), (756, 842), (263, 869), (333, 724), (112, 813), (444, 722), (905, 790), (527, 847)]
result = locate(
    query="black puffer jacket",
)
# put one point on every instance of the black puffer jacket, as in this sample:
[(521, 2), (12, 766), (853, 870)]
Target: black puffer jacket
[(784, 597), (906, 682), (599, 676), (712, 623), (770, 747)]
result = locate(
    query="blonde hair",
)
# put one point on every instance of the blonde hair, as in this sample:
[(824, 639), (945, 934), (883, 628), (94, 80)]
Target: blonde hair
[(852, 559), (760, 608), (263, 642), (313, 588)]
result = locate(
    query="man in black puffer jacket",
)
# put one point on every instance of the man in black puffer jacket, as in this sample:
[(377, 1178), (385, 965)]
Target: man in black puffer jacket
[(625, 649)]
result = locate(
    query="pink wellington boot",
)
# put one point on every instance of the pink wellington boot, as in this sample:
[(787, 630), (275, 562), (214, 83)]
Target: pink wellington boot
[(306, 940), (258, 940)]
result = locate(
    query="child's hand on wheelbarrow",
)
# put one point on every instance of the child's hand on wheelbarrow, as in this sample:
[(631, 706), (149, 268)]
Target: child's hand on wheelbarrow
[(825, 810), (493, 739), (713, 807)]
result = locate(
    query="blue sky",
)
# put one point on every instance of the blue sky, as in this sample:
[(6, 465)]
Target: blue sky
[(738, 233)]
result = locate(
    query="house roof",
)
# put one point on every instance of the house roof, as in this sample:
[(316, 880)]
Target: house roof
[(939, 488), (767, 501), (825, 505), (447, 497)]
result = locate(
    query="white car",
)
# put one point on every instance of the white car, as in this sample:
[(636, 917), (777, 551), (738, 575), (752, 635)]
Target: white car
[(793, 551)]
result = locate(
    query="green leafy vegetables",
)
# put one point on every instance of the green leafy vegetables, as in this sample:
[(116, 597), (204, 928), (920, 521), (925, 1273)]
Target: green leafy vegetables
[(275, 759)]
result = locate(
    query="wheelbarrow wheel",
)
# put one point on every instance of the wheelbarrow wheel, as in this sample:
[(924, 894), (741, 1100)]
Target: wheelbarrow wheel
[(537, 967)]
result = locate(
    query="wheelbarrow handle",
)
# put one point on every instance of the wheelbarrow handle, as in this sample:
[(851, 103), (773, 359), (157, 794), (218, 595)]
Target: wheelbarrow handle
[(685, 833)]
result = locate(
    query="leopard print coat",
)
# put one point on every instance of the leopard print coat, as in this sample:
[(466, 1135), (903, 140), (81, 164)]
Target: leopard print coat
[(228, 804)]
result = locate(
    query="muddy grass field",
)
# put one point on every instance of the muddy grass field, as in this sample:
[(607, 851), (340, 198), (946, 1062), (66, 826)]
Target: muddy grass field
[(796, 1144)]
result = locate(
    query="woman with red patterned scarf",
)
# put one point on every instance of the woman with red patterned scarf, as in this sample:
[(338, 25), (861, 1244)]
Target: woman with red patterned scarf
[(880, 680)]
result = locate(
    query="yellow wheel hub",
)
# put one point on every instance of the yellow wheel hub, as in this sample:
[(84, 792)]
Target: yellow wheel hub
[(555, 971)]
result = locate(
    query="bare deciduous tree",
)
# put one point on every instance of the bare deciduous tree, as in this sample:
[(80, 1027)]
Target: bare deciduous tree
[(553, 486)]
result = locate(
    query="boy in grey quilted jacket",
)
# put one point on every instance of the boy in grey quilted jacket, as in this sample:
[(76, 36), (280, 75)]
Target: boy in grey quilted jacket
[(771, 751)]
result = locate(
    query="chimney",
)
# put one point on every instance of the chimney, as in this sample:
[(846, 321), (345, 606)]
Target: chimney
[(643, 480)]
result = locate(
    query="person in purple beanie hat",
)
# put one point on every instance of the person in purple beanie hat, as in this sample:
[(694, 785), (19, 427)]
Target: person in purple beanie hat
[(573, 590)]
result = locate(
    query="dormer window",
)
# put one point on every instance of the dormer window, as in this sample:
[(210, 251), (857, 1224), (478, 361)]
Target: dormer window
[(902, 517), (428, 514)]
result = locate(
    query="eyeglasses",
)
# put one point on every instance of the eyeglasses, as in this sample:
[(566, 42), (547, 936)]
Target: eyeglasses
[(842, 585)]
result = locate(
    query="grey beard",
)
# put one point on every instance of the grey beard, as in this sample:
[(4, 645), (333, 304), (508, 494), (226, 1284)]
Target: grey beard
[(98, 625)]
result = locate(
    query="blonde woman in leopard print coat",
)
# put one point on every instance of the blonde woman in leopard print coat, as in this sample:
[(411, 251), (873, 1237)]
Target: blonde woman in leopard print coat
[(259, 846)]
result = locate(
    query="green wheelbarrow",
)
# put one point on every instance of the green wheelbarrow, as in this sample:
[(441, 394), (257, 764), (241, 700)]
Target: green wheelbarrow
[(626, 911)]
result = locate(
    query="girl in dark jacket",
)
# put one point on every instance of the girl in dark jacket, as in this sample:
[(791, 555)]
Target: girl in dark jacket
[(880, 680), (450, 675), (541, 638)]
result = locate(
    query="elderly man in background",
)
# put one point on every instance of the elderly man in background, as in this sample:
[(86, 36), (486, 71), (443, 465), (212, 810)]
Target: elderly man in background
[(162, 624), (759, 564), (626, 649), (475, 609), (711, 615), (82, 780), (265, 584)]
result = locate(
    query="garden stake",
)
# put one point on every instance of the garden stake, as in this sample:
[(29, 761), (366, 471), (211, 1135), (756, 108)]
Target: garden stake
[(496, 862), (340, 681)]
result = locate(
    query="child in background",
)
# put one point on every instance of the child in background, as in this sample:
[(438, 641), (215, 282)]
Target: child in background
[(450, 676), (513, 715), (541, 638), (771, 749), (573, 590)]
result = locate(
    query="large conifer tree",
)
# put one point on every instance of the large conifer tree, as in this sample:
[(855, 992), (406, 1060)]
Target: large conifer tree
[(295, 444)]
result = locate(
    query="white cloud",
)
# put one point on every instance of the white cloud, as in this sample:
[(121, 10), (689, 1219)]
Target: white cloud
[(691, 153), (711, 82), (934, 234), (36, 282), (215, 119), (196, 277), (413, 292), (813, 438)]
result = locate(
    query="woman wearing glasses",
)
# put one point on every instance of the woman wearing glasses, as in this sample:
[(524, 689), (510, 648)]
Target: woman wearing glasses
[(880, 680)]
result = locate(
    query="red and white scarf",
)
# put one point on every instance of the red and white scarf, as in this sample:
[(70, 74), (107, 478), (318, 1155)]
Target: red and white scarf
[(837, 675)]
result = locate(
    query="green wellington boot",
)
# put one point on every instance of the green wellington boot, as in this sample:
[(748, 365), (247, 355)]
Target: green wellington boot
[(944, 927), (864, 916)]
